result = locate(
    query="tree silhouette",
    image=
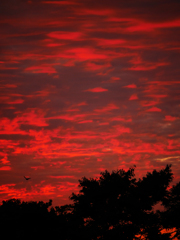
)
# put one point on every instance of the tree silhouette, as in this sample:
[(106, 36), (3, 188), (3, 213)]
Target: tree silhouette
[(114, 206), (118, 206), (26, 220), (171, 217)]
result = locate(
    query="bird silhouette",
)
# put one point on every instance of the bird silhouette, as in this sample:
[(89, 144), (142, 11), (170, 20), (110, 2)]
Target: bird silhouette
[(27, 178)]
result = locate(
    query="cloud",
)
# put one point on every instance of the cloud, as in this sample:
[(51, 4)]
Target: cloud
[(103, 12), (95, 67), (168, 158), (133, 97), (68, 117), (130, 86), (86, 121), (97, 89), (59, 2), (113, 79), (145, 26), (154, 109), (83, 54), (170, 118), (62, 177), (34, 117), (63, 35), (140, 65), (107, 108), (5, 168), (17, 101), (110, 42), (69, 73), (41, 69), (4, 160), (121, 119)]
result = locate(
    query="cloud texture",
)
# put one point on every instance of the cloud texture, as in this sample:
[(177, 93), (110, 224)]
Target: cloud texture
[(86, 86)]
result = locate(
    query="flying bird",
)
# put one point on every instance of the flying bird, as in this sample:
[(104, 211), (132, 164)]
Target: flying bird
[(27, 178)]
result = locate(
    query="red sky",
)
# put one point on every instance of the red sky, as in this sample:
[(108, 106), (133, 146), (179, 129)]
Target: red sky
[(86, 86)]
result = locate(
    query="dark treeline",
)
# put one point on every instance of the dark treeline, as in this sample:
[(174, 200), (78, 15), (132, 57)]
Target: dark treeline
[(115, 206)]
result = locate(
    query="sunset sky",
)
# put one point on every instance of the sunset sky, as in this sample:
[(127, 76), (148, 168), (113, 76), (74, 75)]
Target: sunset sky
[(85, 86)]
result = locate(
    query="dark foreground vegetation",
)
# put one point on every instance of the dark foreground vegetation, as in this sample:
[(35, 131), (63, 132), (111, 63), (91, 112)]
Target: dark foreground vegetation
[(115, 206)]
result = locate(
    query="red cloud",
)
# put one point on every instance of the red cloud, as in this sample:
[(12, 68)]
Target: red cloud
[(121, 119), (38, 167), (117, 19), (5, 168), (83, 54), (104, 123), (10, 86), (62, 177), (75, 117), (41, 69), (7, 188), (133, 97), (83, 128), (145, 26), (103, 12), (62, 35), (4, 160), (122, 129), (107, 108), (113, 79), (147, 66), (97, 89), (140, 65), (94, 66), (17, 101), (54, 44), (154, 109), (157, 95), (82, 104), (86, 121), (59, 2), (34, 117), (149, 103), (10, 127), (170, 118), (131, 86), (110, 42)]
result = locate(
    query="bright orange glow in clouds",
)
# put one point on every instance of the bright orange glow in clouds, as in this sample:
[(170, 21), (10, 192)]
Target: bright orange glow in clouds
[(86, 86)]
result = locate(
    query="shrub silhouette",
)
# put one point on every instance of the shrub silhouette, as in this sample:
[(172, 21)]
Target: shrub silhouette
[(115, 206)]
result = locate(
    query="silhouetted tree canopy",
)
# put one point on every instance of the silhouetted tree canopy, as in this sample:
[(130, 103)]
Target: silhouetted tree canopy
[(118, 206), (115, 206)]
